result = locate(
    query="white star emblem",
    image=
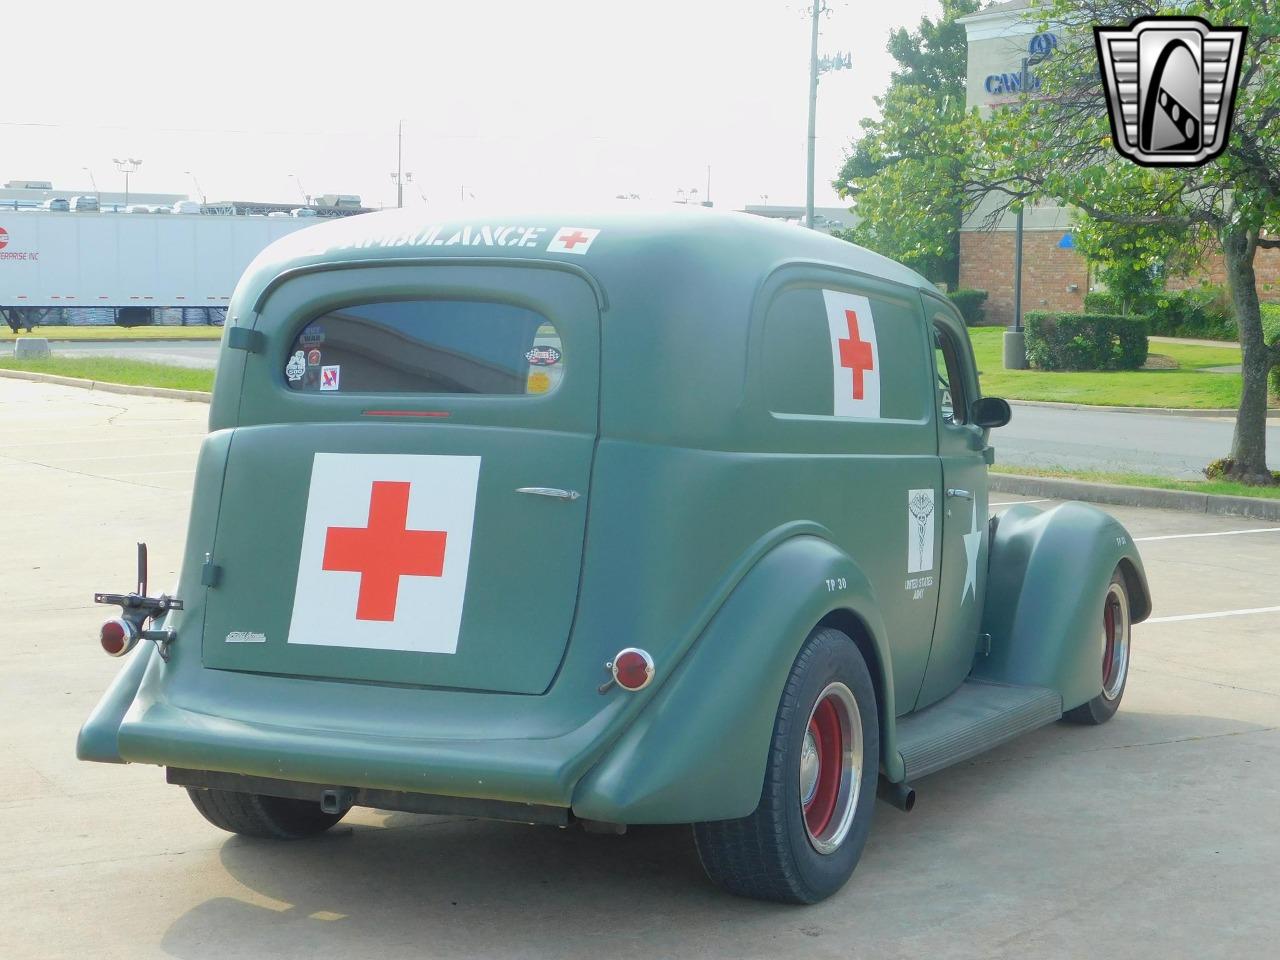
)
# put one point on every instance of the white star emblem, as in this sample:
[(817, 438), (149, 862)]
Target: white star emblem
[(972, 544)]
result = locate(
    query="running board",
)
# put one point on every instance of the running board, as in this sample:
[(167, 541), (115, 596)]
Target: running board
[(977, 717)]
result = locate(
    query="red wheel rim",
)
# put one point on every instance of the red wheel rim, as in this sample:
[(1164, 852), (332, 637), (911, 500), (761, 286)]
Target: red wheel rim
[(828, 738), (1109, 632)]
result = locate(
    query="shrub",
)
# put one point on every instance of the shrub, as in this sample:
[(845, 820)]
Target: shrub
[(1102, 301), (1086, 341), (1271, 335), (969, 303), (1205, 312)]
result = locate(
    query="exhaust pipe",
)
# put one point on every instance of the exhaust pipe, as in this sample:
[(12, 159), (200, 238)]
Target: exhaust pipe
[(900, 795)]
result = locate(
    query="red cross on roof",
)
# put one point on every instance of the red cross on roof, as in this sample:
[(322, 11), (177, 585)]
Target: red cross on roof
[(855, 353), (573, 239), (384, 551)]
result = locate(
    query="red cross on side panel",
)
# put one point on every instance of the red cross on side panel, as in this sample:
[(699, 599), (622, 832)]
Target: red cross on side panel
[(384, 551), (855, 353)]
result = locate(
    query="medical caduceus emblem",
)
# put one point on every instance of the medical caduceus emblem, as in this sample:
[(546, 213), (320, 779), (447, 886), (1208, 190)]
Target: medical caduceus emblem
[(921, 507), (1171, 84)]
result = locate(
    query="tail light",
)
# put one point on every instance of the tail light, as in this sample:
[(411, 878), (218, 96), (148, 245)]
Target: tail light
[(632, 668), (117, 636)]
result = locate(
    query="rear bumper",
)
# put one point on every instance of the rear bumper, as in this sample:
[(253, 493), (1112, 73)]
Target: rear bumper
[(541, 772)]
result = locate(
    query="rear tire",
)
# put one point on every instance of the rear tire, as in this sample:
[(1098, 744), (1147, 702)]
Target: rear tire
[(267, 818), (1114, 639), (804, 839)]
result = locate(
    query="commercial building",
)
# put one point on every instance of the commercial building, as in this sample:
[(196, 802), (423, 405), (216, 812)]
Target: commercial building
[(1005, 45)]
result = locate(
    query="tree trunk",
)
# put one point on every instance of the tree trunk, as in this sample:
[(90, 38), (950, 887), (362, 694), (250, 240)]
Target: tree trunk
[(1249, 442)]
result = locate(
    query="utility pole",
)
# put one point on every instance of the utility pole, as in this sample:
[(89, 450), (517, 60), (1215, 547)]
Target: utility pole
[(127, 167), (94, 181), (818, 7), (817, 68), (400, 176)]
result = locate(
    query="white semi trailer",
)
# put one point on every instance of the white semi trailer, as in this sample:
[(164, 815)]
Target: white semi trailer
[(128, 268)]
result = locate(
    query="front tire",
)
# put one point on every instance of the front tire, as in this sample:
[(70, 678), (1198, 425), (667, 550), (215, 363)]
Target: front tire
[(263, 817), (804, 839), (1116, 628)]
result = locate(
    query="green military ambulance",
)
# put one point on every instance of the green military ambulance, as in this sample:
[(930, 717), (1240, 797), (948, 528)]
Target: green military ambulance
[(615, 519)]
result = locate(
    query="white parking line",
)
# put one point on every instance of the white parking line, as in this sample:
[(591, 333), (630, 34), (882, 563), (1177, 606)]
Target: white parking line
[(1216, 533), (1211, 616), (1010, 503)]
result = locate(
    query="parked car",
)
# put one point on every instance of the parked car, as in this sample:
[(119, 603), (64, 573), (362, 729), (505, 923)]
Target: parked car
[(730, 566), (302, 212), (84, 204), (186, 207), (58, 204)]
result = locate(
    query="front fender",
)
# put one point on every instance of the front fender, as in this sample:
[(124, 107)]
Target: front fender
[(698, 750), (1047, 577)]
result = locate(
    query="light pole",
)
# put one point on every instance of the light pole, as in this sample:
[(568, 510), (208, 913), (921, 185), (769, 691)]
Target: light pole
[(817, 68), (199, 192), (400, 176), (306, 198), (94, 182), (127, 167)]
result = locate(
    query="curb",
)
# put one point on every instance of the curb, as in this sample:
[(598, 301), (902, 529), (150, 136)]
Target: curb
[(169, 393), (1153, 411), (1059, 488)]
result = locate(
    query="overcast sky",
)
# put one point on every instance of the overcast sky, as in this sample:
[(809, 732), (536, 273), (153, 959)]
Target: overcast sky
[(540, 100)]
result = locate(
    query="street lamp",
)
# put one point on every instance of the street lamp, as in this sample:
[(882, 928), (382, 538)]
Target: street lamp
[(306, 198), (127, 167), (841, 61), (199, 192), (93, 181)]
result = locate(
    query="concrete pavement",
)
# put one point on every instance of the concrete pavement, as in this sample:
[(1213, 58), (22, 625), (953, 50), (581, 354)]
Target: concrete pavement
[(1155, 836)]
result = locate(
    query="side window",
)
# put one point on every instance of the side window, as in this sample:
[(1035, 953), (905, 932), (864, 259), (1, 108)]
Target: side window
[(837, 352), (426, 346), (949, 390)]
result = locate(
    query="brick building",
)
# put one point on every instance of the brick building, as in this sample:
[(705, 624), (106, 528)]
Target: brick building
[(1003, 50)]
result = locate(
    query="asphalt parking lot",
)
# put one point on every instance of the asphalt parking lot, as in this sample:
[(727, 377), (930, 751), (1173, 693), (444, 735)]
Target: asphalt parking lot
[(1157, 835)]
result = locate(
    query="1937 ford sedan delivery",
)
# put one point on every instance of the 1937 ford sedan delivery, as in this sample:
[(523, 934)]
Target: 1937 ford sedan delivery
[(655, 518)]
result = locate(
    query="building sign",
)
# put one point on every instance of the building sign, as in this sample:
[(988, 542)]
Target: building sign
[(1039, 49)]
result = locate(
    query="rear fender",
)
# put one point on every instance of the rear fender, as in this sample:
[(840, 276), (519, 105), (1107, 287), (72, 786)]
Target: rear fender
[(1047, 576), (698, 750)]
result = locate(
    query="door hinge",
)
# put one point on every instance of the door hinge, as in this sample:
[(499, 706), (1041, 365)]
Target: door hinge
[(210, 573), (242, 338), (984, 644)]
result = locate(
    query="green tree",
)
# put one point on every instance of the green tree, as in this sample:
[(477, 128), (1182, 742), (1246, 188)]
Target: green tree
[(1134, 261), (914, 149), (1057, 144)]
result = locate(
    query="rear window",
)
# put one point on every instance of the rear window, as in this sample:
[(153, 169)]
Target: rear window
[(426, 346)]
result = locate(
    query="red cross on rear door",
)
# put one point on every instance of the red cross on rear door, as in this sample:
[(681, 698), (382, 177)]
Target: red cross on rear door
[(855, 355)]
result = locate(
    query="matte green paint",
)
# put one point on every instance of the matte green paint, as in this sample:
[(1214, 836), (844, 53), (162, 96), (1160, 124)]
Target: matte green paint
[(1050, 570), (722, 518)]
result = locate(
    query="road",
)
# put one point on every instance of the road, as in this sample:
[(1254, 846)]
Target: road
[(1077, 439), (1037, 437), (1156, 835), (202, 354)]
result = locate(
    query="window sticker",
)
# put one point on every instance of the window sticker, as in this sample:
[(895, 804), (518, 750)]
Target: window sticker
[(296, 367), (329, 377)]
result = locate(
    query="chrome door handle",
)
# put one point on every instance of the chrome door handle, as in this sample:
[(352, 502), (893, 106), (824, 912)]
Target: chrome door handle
[(959, 493), (554, 492)]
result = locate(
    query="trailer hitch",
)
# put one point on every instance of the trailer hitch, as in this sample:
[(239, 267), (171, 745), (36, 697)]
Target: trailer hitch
[(120, 634)]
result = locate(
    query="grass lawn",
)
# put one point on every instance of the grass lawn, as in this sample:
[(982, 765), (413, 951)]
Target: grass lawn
[(113, 370), (1186, 387), (115, 333), (1146, 480)]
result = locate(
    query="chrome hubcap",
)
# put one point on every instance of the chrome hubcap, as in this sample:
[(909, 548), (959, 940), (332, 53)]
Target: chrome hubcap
[(831, 758), (808, 768)]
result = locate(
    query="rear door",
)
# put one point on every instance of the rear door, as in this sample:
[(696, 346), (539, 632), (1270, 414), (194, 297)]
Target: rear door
[(405, 497)]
